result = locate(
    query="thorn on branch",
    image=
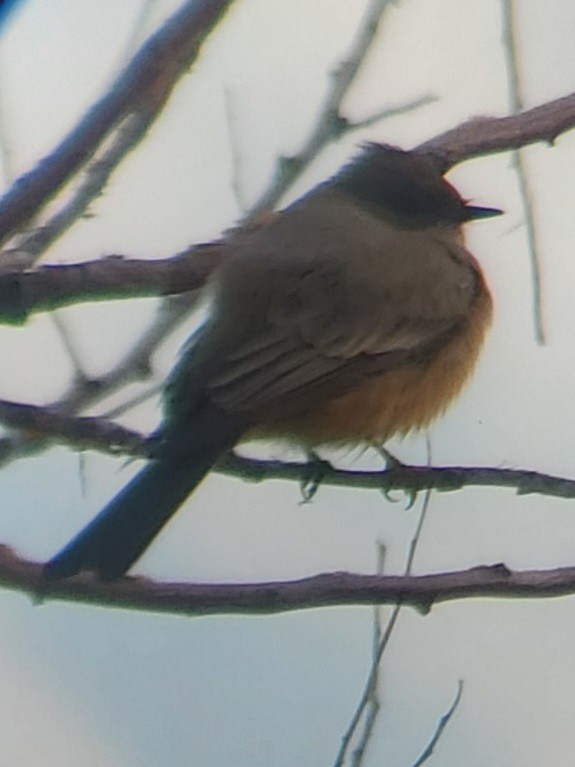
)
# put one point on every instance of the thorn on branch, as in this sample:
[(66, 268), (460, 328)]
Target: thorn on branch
[(423, 606)]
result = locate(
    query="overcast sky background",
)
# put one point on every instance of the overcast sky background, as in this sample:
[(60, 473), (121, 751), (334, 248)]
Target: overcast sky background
[(102, 688)]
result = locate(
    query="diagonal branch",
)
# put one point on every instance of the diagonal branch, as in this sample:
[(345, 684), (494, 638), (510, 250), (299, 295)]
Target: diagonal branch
[(147, 80), (441, 725), (490, 135), (330, 123)]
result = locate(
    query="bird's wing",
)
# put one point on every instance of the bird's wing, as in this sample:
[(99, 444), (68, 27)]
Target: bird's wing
[(328, 326), (313, 303)]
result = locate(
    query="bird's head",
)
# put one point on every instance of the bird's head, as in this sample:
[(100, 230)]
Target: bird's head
[(406, 187)]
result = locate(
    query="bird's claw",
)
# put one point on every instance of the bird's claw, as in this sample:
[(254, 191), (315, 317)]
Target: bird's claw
[(314, 472), (392, 463)]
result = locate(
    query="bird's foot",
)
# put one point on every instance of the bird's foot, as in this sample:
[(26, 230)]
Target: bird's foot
[(392, 464), (313, 475)]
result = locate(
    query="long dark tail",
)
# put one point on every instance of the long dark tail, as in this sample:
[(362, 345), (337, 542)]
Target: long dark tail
[(123, 530)]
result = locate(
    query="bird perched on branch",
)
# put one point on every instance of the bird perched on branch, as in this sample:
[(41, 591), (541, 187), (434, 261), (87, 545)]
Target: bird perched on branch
[(353, 315)]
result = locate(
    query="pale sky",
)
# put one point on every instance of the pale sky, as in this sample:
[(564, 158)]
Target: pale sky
[(102, 688)]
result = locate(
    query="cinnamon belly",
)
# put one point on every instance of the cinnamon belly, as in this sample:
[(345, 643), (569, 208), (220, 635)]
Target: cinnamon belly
[(399, 401)]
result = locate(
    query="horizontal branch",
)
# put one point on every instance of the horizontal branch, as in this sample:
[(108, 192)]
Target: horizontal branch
[(325, 590), (81, 433), (319, 591), (412, 479), (84, 432), (59, 285)]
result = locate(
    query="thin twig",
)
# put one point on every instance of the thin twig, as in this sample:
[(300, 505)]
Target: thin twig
[(235, 153), (363, 702), (6, 150), (95, 178), (373, 705), (441, 725), (138, 27), (69, 345), (330, 124), (132, 402), (389, 112), (517, 105), (371, 682), (386, 636), (149, 78), (135, 365)]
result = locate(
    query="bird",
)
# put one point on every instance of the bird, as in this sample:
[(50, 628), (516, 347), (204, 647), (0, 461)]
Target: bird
[(354, 314)]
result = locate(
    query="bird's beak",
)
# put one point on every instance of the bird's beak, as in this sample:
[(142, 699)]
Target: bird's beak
[(474, 212)]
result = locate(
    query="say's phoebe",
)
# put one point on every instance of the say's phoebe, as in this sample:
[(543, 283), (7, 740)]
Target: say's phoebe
[(354, 314)]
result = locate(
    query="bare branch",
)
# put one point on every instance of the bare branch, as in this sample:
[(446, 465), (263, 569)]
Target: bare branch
[(131, 131), (83, 433), (145, 84), (388, 112), (402, 477), (136, 365), (330, 124), (235, 153), (368, 705), (441, 725), (489, 135), (56, 286), (516, 104), (40, 423), (374, 701), (370, 688), (138, 27), (69, 345), (124, 139), (421, 592)]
